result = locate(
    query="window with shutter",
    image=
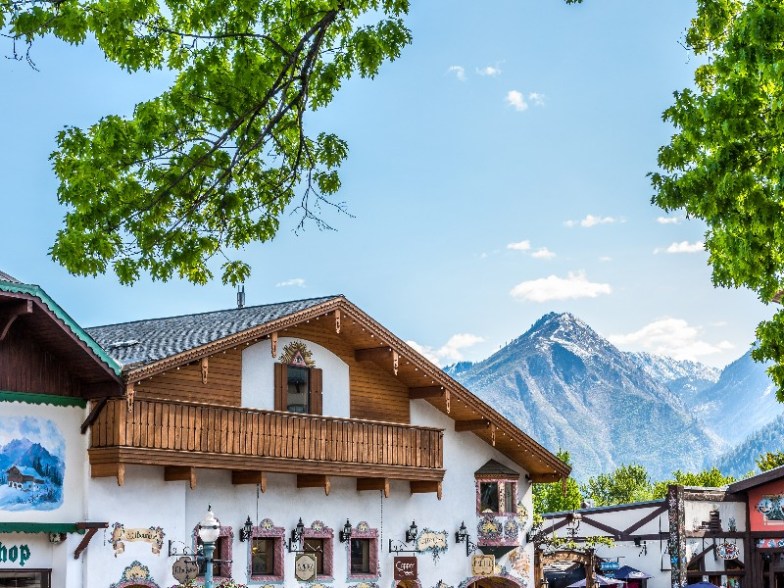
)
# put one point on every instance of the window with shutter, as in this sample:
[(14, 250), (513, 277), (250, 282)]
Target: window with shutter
[(298, 389)]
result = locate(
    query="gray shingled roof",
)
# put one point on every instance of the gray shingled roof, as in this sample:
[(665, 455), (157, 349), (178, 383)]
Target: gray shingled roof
[(147, 341), (8, 278)]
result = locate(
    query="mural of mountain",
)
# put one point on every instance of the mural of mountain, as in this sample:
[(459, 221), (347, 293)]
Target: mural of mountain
[(570, 388)]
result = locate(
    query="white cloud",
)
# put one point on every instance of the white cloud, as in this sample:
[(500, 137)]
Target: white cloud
[(671, 337), (489, 71), (299, 282), (668, 220), (543, 253), (516, 100), (605, 258), (520, 245), (591, 221), (682, 247), (451, 351), (459, 72), (575, 285), (536, 98)]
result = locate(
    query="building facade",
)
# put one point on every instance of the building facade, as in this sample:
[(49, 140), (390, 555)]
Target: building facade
[(331, 453)]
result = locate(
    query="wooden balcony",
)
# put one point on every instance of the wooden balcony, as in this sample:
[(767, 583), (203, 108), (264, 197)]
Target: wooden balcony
[(183, 436)]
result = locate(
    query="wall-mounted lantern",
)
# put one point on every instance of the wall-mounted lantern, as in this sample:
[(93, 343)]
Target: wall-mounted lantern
[(411, 532), (295, 541), (345, 534), (462, 536), (246, 531)]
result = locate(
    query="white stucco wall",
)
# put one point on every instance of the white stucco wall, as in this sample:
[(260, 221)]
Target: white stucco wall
[(258, 377), (146, 500)]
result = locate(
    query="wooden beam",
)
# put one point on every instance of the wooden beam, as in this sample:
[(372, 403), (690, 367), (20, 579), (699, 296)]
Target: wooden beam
[(373, 354), (475, 425), (249, 477), (14, 312), (84, 542), (374, 484), (107, 470), (179, 473), (93, 416), (313, 481), (274, 345), (646, 519), (418, 487), (426, 392)]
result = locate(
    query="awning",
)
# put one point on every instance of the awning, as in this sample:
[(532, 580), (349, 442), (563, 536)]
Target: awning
[(40, 528)]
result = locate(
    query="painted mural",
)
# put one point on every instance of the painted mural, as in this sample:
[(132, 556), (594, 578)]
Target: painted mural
[(32, 464), (766, 504)]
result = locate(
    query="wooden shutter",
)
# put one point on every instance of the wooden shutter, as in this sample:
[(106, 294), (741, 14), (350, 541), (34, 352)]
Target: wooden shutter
[(315, 392), (281, 386)]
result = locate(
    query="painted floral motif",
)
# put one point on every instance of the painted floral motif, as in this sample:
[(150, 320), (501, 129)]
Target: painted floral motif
[(297, 353), (434, 542), (511, 529), (364, 585), (266, 524), (522, 514), (488, 528), (520, 562), (136, 574), (317, 525), (363, 527)]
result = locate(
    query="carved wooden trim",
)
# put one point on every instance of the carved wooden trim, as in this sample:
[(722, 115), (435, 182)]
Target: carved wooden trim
[(274, 345), (179, 473), (250, 477), (374, 484), (205, 368), (17, 310), (314, 481), (337, 321)]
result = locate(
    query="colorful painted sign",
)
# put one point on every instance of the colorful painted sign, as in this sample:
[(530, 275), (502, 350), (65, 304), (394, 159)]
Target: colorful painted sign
[(433, 541), (727, 551), (14, 554), (770, 543), (766, 507), (153, 535), (483, 565), (305, 567), (406, 568), (32, 464)]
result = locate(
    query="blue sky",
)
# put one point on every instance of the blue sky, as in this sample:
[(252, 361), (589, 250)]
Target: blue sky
[(497, 172)]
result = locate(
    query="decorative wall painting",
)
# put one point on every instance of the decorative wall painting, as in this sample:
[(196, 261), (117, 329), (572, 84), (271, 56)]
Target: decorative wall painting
[(727, 551), (32, 464)]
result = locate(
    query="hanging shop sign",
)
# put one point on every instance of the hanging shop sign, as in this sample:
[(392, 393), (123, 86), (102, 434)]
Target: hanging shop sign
[(483, 565), (184, 569), (14, 554), (434, 542), (406, 568), (305, 567), (152, 535)]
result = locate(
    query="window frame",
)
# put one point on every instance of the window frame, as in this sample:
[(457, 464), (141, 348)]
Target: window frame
[(315, 401), (363, 532), (503, 485), (226, 538), (318, 530), (267, 530), (45, 574)]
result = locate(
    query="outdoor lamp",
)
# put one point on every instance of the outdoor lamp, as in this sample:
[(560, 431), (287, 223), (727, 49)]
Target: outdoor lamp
[(247, 530), (345, 534), (411, 533), (296, 537), (209, 530), (461, 534)]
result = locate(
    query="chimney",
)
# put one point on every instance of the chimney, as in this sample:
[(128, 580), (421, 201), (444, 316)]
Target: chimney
[(241, 296)]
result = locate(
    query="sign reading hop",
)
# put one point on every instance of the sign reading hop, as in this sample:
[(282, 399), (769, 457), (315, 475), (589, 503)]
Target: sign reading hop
[(305, 567)]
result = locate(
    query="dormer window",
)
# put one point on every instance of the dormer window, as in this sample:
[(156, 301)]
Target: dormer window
[(297, 381)]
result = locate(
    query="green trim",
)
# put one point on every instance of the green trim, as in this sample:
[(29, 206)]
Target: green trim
[(33, 398), (40, 528), (38, 292)]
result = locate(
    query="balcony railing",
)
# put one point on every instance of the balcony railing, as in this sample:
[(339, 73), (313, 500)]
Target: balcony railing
[(238, 438)]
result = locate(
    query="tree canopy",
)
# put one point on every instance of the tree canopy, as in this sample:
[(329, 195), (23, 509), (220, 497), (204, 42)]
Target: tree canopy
[(209, 166), (769, 460), (725, 162), (624, 485), (711, 478), (558, 496)]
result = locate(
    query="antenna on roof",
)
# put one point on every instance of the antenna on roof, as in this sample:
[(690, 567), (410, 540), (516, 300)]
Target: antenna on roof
[(241, 296)]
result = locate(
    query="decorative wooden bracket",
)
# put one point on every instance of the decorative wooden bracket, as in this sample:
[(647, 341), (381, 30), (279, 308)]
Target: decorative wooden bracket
[(374, 484), (14, 312), (426, 392), (250, 477), (205, 369), (337, 321), (418, 487), (129, 394), (476, 425), (492, 433), (448, 400), (106, 470), (313, 481), (93, 416), (395, 361), (274, 345), (92, 529), (177, 473)]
